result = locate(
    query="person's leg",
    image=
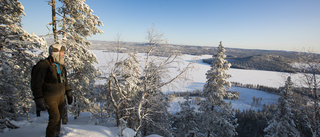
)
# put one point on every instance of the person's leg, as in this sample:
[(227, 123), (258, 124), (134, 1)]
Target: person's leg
[(54, 116), (38, 113), (61, 108)]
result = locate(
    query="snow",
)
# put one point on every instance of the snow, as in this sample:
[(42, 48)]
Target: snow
[(255, 77), (175, 104), (84, 126), (245, 100), (198, 77)]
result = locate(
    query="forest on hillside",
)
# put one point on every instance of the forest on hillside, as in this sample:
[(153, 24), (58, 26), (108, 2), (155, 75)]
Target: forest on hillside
[(255, 59)]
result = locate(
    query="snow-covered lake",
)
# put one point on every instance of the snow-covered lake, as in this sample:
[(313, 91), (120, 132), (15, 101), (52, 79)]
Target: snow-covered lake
[(198, 79), (197, 74), (245, 101)]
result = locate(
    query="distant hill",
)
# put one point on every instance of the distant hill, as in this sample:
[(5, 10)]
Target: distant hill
[(187, 49), (272, 60), (261, 62)]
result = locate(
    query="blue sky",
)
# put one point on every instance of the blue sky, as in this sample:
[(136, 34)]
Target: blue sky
[(252, 24)]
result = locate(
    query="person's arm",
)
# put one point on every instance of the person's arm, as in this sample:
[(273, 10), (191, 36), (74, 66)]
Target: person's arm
[(67, 87), (37, 79)]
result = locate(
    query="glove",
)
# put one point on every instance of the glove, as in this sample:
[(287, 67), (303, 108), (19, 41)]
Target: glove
[(69, 97), (41, 104)]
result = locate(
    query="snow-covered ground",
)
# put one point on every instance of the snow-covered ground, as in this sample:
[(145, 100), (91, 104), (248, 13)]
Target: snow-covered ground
[(84, 126), (81, 127)]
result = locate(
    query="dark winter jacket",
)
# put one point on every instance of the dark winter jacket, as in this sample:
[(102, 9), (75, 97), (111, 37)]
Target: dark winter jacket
[(45, 81)]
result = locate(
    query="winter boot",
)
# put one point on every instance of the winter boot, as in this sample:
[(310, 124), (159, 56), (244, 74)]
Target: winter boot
[(38, 113)]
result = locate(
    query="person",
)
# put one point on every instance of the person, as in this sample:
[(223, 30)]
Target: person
[(49, 86)]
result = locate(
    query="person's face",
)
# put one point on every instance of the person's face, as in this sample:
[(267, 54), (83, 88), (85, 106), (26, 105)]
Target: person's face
[(61, 54), (61, 57)]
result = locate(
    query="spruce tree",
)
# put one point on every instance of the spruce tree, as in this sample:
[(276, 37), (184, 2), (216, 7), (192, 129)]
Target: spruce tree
[(282, 124), (217, 118), (187, 120)]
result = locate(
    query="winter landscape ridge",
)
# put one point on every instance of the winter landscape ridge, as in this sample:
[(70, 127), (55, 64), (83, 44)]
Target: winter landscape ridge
[(153, 88), (84, 125)]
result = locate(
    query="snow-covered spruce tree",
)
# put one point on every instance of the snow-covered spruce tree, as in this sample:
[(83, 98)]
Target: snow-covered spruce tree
[(154, 77), (217, 118), (219, 121), (74, 21), (282, 124), (187, 121), (17, 56)]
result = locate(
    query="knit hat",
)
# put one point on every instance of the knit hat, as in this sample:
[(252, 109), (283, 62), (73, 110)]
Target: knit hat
[(54, 51), (56, 48)]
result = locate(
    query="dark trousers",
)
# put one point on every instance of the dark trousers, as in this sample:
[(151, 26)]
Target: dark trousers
[(64, 117), (56, 111)]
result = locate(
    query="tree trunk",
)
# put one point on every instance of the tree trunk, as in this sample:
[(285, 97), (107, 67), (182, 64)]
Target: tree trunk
[(114, 103), (64, 34), (54, 24), (118, 117), (28, 117)]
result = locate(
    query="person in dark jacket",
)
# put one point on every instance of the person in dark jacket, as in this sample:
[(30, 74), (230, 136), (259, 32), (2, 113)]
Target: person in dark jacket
[(49, 86)]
